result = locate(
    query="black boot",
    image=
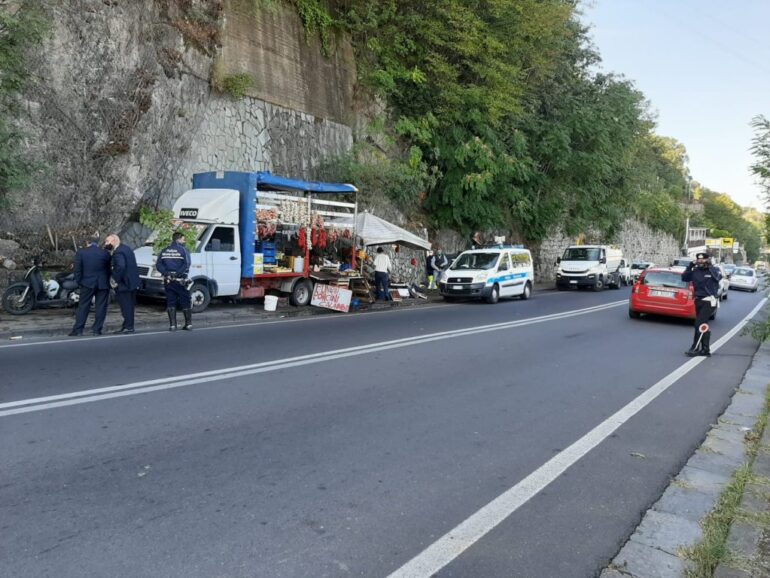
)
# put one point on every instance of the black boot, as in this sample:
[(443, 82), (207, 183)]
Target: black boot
[(187, 319), (704, 346), (171, 318)]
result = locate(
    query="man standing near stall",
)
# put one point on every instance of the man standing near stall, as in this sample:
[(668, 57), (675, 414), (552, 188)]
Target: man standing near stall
[(705, 277), (382, 269), (174, 264), (92, 274), (125, 279)]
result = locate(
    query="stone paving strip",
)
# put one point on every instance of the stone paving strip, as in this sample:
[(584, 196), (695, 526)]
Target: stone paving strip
[(674, 524)]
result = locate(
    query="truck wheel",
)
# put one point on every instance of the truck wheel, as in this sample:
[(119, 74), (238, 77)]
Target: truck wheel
[(527, 293), (599, 284), (616, 281), (494, 296), (12, 301), (200, 296), (302, 293)]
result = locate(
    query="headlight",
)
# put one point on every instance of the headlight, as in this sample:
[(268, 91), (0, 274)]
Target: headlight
[(480, 277), (558, 275), (154, 273)]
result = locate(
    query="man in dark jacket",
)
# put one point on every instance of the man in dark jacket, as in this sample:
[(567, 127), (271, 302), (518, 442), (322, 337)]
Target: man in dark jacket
[(705, 277), (174, 264), (125, 280), (92, 274)]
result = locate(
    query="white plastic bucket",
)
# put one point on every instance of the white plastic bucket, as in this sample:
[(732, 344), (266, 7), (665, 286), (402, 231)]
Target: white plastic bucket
[(299, 264), (271, 302)]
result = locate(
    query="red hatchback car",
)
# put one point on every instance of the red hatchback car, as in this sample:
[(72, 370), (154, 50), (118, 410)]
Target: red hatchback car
[(661, 291)]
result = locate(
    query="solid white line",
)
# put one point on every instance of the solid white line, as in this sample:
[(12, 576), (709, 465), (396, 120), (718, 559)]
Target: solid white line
[(89, 395), (444, 550)]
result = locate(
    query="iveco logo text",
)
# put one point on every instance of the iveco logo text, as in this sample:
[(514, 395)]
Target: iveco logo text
[(188, 213)]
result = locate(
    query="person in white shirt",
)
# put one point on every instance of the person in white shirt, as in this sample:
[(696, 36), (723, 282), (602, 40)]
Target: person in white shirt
[(382, 268)]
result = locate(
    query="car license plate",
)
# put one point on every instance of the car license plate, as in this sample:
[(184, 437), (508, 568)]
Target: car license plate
[(574, 282), (662, 294), (457, 287)]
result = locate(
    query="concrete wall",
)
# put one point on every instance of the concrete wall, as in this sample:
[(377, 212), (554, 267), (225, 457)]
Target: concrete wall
[(287, 66), (122, 109), (638, 242)]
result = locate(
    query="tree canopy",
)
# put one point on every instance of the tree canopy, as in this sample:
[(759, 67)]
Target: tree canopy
[(503, 104)]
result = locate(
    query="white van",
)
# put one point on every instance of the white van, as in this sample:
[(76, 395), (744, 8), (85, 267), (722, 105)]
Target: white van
[(490, 273), (594, 266)]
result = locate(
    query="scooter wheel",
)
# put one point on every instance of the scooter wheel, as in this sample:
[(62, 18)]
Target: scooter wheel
[(15, 302)]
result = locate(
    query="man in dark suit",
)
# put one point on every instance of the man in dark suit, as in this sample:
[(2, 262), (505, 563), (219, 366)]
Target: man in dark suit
[(92, 274), (125, 280)]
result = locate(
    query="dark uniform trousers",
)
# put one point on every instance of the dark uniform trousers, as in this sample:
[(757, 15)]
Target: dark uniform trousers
[(177, 293), (84, 306), (127, 302), (703, 312)]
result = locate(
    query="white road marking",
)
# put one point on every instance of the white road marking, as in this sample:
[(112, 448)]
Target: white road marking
[(90, 395), (444, 550)]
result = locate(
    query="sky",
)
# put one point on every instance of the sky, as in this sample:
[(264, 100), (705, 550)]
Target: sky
[(704, 65)]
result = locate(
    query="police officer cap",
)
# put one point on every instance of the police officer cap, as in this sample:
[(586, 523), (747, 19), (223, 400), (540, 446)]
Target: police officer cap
[(702, 255)]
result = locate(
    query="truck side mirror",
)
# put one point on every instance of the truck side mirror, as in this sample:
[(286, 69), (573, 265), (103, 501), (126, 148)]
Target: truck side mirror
[(558, 260), (603, 260)]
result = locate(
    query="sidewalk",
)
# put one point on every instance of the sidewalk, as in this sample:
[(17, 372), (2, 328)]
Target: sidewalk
[(151, 316), (725, 486)]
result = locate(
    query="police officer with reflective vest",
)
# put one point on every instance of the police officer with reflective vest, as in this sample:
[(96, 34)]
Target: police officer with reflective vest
[(174, 264), (705, 277)]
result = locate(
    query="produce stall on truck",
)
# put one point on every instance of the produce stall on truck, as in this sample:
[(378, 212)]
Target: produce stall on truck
[(256, 232)]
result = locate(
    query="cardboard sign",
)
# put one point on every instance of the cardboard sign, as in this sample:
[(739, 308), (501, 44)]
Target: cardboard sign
[(332, 297)]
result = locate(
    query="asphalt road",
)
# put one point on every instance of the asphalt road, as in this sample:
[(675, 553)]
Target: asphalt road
[(347, 446)]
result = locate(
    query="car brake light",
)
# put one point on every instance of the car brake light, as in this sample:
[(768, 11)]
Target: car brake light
[(690, 293), (638, 288)]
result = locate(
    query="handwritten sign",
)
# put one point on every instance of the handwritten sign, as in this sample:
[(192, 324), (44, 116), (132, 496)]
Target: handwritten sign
[(332, 297)]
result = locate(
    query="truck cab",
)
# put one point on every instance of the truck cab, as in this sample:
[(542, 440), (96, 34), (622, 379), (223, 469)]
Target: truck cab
[(589, 266)]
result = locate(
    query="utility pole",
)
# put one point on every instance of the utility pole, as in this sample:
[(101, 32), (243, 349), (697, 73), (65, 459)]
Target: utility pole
[(688, 179)]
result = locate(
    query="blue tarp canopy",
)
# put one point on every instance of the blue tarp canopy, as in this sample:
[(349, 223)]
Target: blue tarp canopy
[(269, 182)]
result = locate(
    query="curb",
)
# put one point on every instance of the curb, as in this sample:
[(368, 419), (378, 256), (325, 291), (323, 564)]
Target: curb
[(673, 522), (236, 316)]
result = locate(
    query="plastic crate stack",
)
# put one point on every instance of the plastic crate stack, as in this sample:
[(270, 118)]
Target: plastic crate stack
[(268, 252)]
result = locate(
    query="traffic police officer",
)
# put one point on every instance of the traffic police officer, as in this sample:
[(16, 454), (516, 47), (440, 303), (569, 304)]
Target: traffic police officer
[(174, 264), (705, 277)]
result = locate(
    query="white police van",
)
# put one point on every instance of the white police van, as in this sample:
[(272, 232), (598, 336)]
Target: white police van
[(489, 273)]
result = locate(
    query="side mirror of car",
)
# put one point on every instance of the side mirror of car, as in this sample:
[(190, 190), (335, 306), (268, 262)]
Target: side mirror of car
[(558, 260)]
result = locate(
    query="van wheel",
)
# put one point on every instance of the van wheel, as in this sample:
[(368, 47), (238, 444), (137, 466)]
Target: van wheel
[(527, 293), (200, 297), (494, 296), (302, 293), (599, 284)]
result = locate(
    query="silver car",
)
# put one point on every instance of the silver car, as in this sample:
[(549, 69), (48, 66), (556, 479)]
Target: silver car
[(744, 278)]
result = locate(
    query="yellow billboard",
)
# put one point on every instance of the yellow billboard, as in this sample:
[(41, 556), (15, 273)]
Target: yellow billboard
[(727, 242)]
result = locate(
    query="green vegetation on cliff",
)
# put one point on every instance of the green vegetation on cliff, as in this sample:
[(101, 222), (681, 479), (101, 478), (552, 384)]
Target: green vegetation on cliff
[(22, 27), (513, 126)]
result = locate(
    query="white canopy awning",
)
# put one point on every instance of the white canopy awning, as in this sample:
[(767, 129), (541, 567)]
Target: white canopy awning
[(376, 231)]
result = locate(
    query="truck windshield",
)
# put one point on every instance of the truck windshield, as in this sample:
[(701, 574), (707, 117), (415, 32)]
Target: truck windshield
[(475, 261), (581, 254)]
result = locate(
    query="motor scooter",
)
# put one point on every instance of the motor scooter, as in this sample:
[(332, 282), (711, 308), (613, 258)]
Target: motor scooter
[(35, 292)]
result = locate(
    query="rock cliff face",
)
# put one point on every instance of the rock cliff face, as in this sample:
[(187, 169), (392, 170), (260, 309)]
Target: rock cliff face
[(123, 109)]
